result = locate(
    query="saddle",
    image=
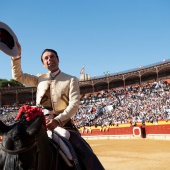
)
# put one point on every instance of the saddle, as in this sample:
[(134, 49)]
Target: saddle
[(60, 144)]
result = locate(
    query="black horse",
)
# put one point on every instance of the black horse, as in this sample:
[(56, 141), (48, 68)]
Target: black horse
[(26, 146)]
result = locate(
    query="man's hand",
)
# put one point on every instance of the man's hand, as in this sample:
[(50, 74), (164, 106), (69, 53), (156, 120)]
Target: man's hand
[(19, 51), (19, 48), (51, 124)]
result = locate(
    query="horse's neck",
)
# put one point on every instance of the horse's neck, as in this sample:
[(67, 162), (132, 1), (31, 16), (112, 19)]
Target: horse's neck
[(45, 153)]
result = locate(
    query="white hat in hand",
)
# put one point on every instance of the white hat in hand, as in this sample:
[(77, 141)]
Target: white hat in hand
[(8, 40)]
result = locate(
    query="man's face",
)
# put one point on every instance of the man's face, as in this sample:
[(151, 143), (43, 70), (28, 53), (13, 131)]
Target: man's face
[(50, 61)]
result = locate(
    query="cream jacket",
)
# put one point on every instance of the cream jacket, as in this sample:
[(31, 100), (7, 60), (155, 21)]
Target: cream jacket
[(63, 90)]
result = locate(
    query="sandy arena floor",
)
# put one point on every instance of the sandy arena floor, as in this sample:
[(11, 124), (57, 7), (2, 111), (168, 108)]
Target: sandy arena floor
[(132, 154)]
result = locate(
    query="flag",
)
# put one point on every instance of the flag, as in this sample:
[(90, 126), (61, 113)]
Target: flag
[(82, 70)]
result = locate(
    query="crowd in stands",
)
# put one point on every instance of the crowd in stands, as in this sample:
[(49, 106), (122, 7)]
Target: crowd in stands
[(148, 102), (8, 114)]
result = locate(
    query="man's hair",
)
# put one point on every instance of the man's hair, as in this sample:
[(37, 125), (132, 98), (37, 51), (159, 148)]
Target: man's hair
[(50, 50)]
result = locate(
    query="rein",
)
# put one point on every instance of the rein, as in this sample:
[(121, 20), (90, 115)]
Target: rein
[(19, 151)]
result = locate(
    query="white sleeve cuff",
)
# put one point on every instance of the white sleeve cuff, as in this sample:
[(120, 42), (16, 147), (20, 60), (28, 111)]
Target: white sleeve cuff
[(45, 111)]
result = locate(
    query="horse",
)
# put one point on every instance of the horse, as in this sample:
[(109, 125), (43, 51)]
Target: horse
[(26, 146)]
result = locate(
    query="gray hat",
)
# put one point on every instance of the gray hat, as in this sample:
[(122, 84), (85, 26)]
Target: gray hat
[(8, 40)]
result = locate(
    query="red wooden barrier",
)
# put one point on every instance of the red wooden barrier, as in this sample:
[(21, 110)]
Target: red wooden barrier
[(142, 131)]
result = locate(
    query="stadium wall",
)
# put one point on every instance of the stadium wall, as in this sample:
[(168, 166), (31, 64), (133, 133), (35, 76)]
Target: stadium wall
[(152, 131)]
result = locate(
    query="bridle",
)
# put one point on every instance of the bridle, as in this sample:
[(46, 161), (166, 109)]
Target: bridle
[(19, 151), (34, 145), (22, 150)]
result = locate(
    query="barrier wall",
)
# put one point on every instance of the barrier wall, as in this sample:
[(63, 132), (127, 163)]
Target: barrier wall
[(137, 131), (158, 129), (107, 131)]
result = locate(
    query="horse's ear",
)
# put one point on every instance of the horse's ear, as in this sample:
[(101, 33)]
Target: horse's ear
[(35, 126), (3, 128)]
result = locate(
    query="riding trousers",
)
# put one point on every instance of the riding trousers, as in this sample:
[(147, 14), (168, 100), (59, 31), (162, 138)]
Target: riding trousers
[(87, 158)]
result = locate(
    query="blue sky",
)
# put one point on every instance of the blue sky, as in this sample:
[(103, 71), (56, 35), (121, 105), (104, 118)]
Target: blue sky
[(102, 35)]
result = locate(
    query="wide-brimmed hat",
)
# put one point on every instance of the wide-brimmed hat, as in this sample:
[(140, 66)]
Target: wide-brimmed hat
[(8, 40)]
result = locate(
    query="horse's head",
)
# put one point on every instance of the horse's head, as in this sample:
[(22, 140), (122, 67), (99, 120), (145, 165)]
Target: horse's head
[(21, 133), (22, 143)]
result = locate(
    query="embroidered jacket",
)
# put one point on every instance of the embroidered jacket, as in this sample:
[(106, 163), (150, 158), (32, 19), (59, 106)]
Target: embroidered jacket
[(61, 93)]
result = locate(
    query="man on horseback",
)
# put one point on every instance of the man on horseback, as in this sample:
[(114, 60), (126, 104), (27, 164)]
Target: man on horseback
[(58, 93)]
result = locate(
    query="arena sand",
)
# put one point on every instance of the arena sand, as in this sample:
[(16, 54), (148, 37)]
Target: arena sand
[(132, 154)]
